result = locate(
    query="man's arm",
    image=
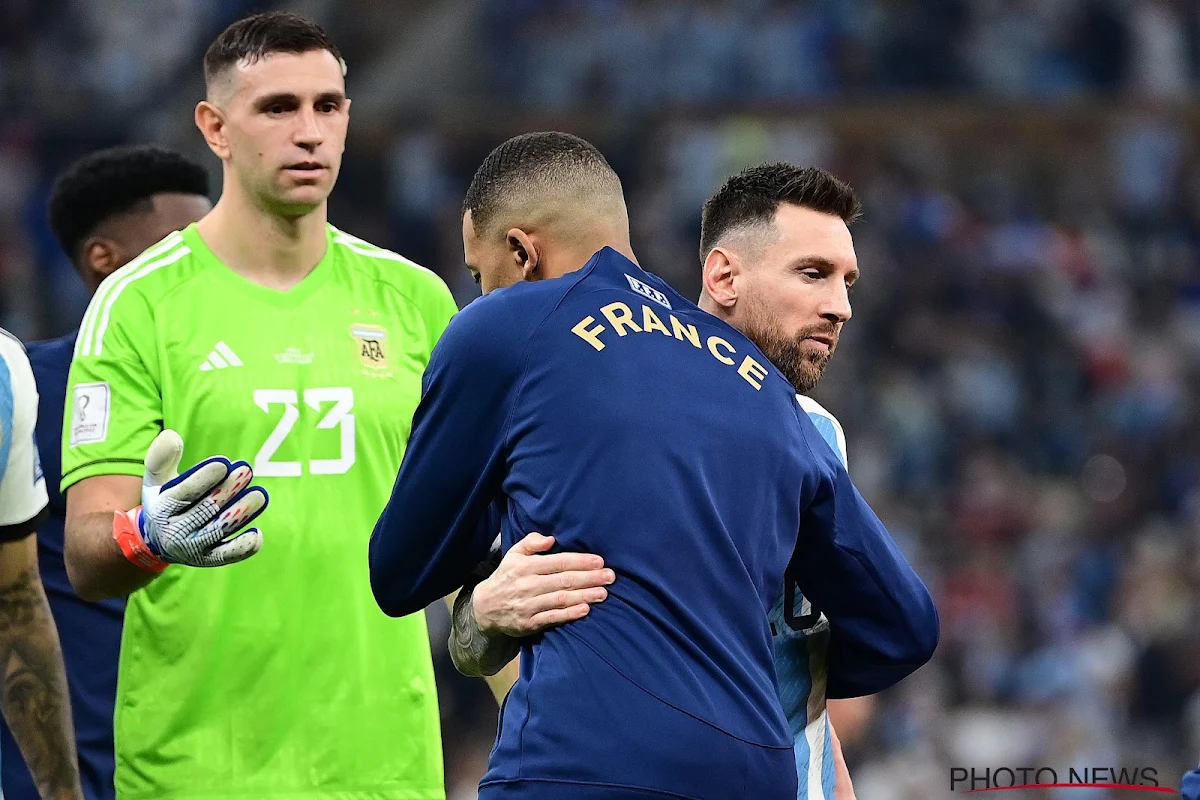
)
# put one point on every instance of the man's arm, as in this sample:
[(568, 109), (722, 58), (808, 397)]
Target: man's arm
[(843, 787), (95, 564), (883, 623), (529, 592), (35, 700), (440, 520), (197, 519)]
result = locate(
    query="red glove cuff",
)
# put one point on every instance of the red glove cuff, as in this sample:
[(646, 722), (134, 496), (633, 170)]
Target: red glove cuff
[(128, 537)]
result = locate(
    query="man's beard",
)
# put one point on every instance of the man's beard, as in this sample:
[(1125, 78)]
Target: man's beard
[(802, 365)]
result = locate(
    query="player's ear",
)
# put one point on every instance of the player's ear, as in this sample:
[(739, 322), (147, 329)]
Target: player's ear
[(525, 254), (718, 273), (211, 122), (101, 257)]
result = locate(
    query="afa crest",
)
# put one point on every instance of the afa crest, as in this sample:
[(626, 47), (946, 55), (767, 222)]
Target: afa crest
[(371, 341)]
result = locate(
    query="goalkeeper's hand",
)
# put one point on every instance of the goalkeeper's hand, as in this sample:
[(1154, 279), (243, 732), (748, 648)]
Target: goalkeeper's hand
[(189, 518)]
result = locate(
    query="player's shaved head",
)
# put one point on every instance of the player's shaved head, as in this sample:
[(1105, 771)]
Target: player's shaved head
[(540, 206), (747, 203), (544, 177), (255, 37)]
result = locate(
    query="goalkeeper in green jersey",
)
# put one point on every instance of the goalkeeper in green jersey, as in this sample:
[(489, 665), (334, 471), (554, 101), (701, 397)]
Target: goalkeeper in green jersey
[(266, 336)]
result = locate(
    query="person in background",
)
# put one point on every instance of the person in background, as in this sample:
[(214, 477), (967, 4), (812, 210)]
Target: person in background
[(105, 209)]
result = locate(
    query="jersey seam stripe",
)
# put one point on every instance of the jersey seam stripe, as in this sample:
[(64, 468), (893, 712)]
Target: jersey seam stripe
[(89, 317), (369, 250), (88, 325), (100, 324), (94, 462), (143, 271)]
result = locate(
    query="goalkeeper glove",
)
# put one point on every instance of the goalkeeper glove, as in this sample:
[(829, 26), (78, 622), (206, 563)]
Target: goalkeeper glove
[(188, 518)]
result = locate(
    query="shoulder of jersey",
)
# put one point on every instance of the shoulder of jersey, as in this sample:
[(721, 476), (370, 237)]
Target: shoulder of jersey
[(157, 269), (8, 342), (816, 410), (811, 406), (385, 265), (16, 362)]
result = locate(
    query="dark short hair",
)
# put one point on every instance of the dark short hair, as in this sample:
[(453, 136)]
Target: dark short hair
[(754, 195), (549, 158), (260, 35), (109, 182)]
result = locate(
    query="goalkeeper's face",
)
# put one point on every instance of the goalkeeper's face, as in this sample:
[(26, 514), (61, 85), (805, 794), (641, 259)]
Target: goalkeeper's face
[(285, 121), (793, 291)]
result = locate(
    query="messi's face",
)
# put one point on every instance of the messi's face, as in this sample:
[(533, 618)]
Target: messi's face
[(793, 293), (286, 117)]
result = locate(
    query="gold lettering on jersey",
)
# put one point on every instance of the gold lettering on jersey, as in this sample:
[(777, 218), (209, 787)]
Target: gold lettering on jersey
[(752, 371), (716, 341), (370, 340), (621, 318), (589, 334), (682, 331), (651, 322)]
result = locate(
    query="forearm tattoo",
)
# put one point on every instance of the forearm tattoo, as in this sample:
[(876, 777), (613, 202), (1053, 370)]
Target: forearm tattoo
[(475, 653), (35, 701)]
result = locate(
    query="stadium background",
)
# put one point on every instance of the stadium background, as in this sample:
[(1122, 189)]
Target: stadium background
[(1018, 383)]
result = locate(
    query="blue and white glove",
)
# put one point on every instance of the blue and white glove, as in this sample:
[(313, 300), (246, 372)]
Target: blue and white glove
[(190, 518)]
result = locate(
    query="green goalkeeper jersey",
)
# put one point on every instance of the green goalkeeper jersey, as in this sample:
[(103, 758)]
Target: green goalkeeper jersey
[(277, 677)]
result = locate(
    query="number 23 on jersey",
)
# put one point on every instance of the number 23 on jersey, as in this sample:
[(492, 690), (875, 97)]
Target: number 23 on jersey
[(336, 406)]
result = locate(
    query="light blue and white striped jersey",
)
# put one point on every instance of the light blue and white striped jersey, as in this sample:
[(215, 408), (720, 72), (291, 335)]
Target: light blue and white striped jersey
[(801, 635), (22, 487)]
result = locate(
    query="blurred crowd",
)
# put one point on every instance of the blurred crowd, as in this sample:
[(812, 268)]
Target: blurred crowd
[(639, 54), (1018, 385)]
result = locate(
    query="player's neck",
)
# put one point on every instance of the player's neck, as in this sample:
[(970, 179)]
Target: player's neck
[(706, 303), (273, 251), (572, 258)]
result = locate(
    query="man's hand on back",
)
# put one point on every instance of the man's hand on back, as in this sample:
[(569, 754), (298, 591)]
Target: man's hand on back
[(532, 591)]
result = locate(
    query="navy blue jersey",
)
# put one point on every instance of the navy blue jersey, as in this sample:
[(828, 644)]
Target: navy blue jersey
[(608, 411), (90, 632)]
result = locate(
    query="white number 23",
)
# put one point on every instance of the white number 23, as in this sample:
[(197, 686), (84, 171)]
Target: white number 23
[(340, 416)]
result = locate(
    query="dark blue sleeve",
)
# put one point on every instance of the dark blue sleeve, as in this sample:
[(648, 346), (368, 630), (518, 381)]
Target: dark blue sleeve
[(437, 526), (882, 620), (51, 361)]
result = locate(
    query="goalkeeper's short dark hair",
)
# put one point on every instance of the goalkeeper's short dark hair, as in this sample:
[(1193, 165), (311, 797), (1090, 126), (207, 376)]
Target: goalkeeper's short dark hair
[(550, 160), (260, 35), (752, 197), (109, 182)]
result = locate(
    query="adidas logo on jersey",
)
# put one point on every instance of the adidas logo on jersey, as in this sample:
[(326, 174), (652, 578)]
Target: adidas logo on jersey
[(220, 358)]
